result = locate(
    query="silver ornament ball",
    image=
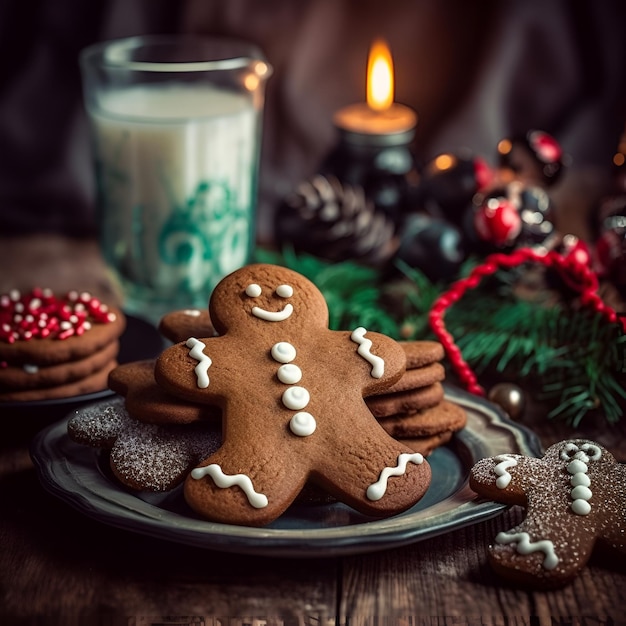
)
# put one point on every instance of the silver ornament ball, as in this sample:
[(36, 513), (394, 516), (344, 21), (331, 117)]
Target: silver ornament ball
[(509, 397)]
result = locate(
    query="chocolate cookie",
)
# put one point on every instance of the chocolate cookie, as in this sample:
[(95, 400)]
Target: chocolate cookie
[(443, 417), (180, 325), (97, 381), (30, 376), (403, 403), (148, 402)]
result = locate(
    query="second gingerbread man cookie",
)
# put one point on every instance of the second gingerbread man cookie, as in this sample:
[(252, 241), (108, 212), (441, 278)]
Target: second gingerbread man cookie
[(291, 392), (575, 497)]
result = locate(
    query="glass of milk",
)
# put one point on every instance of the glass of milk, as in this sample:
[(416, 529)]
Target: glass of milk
[(176, 127)]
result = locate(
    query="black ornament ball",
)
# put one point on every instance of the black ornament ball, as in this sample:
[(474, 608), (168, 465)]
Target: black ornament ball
[(450, 181), (535, 158), (432, 245), (536, 211), (611, 242)]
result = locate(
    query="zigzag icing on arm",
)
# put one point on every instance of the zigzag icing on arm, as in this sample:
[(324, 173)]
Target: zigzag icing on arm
[(501, 469), (377, 490), (365, 345), (525, 546), (205, 362), (224, 481)]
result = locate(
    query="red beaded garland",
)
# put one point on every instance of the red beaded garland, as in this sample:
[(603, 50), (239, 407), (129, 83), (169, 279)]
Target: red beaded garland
[(41, 314), (578, 274)]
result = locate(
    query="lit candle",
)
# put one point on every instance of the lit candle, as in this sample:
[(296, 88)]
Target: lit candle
[(380, 116)]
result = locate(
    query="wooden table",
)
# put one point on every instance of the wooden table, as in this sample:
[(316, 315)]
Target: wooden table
[(58, 566)]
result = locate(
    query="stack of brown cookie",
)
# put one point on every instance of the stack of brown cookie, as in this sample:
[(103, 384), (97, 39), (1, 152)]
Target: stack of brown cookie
[(56, 346), (414, 410)]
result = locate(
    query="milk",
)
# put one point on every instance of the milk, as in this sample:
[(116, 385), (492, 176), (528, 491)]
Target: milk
[(176, 176)]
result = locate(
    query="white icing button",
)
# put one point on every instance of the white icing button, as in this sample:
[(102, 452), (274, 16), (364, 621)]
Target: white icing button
[(283, 352), (289, 374), (577, 466), (296, 398), (253, 290), (580, 479), (581, 493), (284, 291), (581, 507), (302, 424)]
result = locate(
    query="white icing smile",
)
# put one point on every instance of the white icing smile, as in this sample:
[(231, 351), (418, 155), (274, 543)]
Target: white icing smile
[(272, 316)]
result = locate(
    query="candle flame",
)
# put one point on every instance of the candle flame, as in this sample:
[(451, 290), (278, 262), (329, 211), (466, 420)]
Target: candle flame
[(380, 77)]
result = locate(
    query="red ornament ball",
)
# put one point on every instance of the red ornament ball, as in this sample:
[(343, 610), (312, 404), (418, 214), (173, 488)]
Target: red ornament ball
[(497, 221)]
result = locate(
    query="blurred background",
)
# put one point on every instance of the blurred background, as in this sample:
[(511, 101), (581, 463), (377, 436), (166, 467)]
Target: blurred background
[(475, 72)]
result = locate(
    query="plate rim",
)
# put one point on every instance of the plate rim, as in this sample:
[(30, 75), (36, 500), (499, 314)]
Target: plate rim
[(88, 491)]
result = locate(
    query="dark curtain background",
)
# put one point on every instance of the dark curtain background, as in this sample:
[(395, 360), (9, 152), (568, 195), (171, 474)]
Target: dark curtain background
[(474, 71)]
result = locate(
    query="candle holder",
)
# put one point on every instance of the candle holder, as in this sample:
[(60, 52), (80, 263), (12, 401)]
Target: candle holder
[(374, 152)]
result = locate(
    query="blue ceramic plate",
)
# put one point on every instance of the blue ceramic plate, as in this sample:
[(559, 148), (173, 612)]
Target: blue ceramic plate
[(80, 476)]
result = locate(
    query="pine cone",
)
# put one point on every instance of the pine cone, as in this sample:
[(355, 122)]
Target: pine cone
[(336, 222)]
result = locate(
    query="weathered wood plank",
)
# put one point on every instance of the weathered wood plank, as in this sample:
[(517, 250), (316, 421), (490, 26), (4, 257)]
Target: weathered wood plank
[(55, 561)]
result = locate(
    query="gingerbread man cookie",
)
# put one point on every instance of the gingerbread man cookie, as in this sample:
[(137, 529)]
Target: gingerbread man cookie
[(291, 392), (575, 496)]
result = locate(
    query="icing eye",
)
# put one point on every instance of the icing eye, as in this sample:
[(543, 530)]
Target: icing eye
[(284, 291), (569, 451), (592, 451), (253, 290)]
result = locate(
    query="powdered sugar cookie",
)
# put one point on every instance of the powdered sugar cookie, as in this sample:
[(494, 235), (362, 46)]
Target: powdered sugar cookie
[(143, 456)]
